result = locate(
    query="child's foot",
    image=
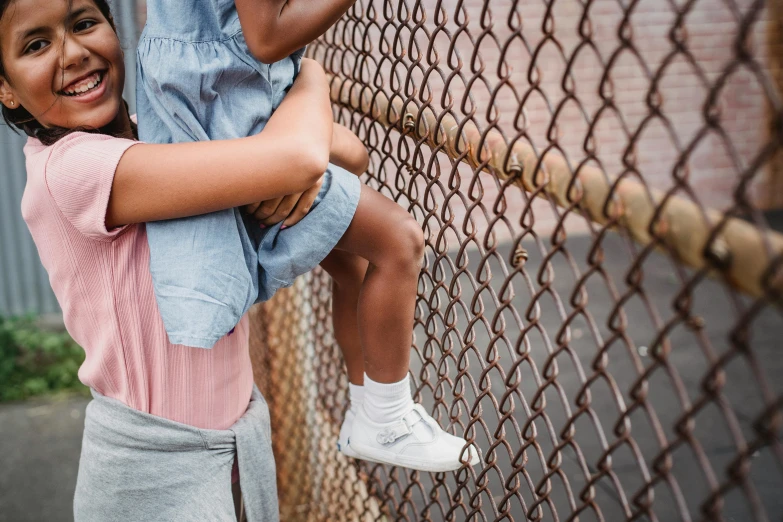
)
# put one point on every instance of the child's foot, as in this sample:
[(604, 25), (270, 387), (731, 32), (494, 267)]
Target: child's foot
[(344, 441), (415, 441)]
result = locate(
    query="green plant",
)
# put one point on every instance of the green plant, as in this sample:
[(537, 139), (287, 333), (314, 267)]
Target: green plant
[(35, 361)]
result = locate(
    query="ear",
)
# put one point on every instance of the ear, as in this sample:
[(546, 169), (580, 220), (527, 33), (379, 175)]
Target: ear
[(7, 96)]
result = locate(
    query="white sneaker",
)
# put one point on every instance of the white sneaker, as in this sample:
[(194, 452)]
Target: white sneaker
[(344, 440), (416, 441)]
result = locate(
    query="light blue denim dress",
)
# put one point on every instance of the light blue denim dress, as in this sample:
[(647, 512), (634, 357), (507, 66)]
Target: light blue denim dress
[(198, 81)]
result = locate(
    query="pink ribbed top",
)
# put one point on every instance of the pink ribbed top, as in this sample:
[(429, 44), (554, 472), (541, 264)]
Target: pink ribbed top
[(102, 281)]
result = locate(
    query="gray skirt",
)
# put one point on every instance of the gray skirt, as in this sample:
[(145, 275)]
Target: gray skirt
[(138, 467)]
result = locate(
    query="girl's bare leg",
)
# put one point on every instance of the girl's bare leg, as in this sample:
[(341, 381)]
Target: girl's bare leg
[(347, 272), (384, 234), (389, 427)]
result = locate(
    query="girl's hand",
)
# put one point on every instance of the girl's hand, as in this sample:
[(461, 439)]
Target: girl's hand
[(292, 208)]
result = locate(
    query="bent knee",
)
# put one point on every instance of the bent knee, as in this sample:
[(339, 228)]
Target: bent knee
[(346, 270), (350, 276), (409, 244)]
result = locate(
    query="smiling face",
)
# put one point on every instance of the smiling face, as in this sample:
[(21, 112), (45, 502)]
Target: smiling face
[(62, 62)]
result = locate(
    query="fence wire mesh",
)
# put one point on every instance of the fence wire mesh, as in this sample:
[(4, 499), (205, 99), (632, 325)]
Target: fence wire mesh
[(599, 304)]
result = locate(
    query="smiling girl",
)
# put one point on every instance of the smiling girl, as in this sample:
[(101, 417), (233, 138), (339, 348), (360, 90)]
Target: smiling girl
[(166, 421)]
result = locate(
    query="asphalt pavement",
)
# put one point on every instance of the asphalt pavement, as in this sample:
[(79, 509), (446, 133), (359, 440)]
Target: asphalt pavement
[(40, 440), (701, 436)]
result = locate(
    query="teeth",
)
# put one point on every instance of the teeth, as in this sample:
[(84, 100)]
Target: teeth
[(93, 82)]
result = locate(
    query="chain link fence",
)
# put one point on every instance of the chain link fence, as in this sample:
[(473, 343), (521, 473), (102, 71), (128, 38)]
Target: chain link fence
[(599, 307)]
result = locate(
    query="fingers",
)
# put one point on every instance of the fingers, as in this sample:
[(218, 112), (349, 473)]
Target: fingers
[(282, 211), (292, 208), (304, 204), (264, 209)]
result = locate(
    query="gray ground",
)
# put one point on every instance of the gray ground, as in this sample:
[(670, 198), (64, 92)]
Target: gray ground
[(39, 441), (670, 392)]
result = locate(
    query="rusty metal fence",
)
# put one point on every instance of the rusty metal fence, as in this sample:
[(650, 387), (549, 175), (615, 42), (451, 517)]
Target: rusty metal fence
[(599, 307)]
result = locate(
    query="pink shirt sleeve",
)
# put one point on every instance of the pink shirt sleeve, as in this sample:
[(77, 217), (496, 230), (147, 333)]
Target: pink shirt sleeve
[(79, 176)]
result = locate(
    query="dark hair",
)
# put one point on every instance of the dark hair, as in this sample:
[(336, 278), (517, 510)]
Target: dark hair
[(21, 119)]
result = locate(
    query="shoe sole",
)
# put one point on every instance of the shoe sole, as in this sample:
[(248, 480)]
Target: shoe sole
[(346, 451), (366, 453), (349, 452)]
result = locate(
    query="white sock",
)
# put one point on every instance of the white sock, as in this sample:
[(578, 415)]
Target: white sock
[(356, 396), (385, 403)]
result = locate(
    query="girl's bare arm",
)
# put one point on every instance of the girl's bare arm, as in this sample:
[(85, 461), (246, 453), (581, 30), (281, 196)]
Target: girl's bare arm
[(155, 182), (274, 29), (348, 151)]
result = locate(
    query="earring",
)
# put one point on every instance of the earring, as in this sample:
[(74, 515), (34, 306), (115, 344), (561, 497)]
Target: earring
[(13, 103)]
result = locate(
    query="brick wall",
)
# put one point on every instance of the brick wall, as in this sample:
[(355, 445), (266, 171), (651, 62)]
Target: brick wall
[(684, 83)]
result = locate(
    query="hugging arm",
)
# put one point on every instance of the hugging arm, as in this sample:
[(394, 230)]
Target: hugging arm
[(347, 152), (154, 182), (274, 29)]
